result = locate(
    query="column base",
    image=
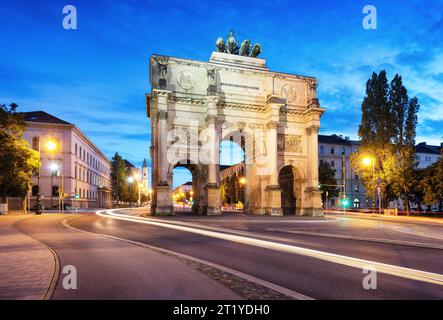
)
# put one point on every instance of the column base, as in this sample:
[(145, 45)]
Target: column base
[(164, 205), (313, 205), (214, 201), (274, 201)]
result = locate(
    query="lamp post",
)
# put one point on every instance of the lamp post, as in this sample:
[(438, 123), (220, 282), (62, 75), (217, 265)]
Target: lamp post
[(367, 161), (182, 195), (139, 190), (150, 196), (130, 179), (242, 182), (51, 147), (53, 167), (191, 193)]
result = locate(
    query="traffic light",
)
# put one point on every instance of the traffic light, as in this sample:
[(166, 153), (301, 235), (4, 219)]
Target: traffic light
[(345, 202)]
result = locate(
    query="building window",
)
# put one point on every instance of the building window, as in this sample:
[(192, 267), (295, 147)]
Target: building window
[(36, 143), (356, 188), (80, 153), (322, 149), (34, 190), (332, 163), (356, 203), (356, 176), (332, 150), (75, 149), (55, 191)]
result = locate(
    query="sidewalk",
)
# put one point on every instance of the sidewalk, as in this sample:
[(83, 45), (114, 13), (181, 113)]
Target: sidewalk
[(431, 221), (113, 269), (26, 265)]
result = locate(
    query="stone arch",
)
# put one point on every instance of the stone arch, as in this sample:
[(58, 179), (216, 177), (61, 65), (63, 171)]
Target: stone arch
[(198, 172)]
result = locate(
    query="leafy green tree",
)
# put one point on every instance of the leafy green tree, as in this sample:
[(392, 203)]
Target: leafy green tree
[(432, 184), (405, 123), (387, 131), (18, 161), (119, 178), (326, 178)]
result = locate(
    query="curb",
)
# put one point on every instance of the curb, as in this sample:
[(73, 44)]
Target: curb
[(264, 283), (375, 217), (55, 274)]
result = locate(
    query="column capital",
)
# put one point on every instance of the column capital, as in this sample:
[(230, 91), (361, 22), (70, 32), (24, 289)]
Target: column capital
[(162, 115), (313, 129), (272, 125), (156, 93), (211, 119), (212, 99)]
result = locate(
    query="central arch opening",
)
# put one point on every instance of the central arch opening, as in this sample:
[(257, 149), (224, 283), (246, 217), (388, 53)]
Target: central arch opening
[(233, 173), (288, 182)]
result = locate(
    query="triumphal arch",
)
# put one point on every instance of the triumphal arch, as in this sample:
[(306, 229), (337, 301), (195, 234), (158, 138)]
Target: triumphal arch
[(273, 116)]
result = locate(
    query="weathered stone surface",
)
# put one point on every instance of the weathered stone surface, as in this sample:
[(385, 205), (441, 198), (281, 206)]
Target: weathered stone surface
[(274, 116)]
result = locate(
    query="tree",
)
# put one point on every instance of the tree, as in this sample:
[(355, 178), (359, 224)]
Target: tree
[(18, 161), (119, 178), (387, 131), (404, 123), (326, 178), (432, 184)]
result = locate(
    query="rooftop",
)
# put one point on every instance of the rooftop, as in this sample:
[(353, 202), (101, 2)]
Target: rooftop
[(42, 117), (422, 147), (335, 139)]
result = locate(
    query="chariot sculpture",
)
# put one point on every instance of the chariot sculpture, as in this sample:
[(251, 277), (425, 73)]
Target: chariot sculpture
[(231, 46)]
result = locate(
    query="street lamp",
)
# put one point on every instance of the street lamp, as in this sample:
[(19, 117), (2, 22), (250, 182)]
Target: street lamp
[(53, 167), (367, 161), (242, 182), (182, 195), (51, 147), (131, 179)]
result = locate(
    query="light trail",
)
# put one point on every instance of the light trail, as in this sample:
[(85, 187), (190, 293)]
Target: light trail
[(407, 273)]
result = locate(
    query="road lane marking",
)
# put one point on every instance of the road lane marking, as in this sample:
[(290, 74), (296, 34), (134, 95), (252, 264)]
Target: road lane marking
[(288, 292), (393, 270)]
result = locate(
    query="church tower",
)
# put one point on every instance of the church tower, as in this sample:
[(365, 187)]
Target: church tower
[(145, 174)]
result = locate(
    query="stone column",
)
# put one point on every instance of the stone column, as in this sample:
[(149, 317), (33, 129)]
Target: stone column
[(213, 188), (273, 189), (313, 204), (163, 194)]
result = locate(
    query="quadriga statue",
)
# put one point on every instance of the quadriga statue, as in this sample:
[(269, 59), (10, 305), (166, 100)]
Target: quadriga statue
[(231, 46)]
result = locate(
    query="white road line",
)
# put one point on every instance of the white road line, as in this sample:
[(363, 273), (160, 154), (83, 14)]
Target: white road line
[(393, 270), (290, 293)]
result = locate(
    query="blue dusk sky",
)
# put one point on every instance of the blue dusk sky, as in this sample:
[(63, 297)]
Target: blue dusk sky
[(96, 76)]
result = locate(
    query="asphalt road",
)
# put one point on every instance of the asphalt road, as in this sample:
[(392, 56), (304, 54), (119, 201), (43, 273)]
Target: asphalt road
[(267, 248), (112, 269)]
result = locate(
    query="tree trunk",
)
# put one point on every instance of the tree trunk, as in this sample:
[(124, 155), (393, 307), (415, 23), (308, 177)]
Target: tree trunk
[(406, 204)]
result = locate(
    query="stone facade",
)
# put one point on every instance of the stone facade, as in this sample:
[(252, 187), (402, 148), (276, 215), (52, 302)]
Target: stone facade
[(330, 150), (275, 117), (83, 168)]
